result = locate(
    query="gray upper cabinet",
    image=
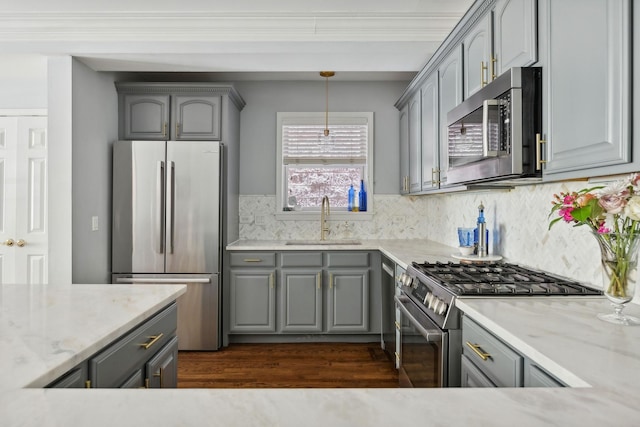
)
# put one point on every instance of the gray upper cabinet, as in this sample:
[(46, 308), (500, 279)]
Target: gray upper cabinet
[(196, 117), (515, 39), (174, 111), (477, 56), (587, 79), (404, 150), (450, 85), (415, 137), (145, 117), (430, 131)]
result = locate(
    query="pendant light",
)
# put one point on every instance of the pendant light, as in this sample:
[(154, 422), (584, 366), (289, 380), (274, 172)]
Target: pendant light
[(326, 75)]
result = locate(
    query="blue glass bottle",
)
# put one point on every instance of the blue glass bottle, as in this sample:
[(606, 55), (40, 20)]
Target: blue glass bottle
[(351, 198), (362, 197)]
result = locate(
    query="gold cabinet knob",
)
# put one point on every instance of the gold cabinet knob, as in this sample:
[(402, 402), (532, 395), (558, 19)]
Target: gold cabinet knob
[(21, 243), (8, 242)]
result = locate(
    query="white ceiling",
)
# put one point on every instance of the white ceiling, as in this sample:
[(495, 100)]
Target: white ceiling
[(275, 39)]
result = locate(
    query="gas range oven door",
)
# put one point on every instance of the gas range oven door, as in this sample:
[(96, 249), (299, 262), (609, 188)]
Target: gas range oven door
[(423, 348)]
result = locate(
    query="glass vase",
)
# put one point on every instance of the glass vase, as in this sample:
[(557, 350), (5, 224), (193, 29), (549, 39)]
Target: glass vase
[(619, 256)]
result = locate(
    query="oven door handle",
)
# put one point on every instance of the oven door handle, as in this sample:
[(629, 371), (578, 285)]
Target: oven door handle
[(431, 335)]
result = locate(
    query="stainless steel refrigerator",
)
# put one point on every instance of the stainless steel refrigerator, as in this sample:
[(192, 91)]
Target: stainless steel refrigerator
[(166, 227)]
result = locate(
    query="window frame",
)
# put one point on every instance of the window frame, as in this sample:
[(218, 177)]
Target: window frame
[(315, 117)]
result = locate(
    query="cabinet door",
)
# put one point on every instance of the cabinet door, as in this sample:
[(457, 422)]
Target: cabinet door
[(145, 117), (470, 376), (252, 301), (404, 150), (196, 117), (477, 56), (588, 87), (516, 34), (430, 146), (136, 380), (415, 137), (535, 376), (450, 86), (348, 303), (162, 369), (300, 307), (75, 378)]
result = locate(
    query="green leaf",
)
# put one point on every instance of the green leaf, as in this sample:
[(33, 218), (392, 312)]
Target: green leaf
[(582, 214), (553, 222)]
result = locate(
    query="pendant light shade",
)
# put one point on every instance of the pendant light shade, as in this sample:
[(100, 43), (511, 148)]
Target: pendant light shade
[(326, 75)]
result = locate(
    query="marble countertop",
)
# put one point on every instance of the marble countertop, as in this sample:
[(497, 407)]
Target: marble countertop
[(601, 362), (45, 330), (402, 252)]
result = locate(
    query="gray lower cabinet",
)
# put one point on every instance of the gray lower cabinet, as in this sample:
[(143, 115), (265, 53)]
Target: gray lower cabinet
[(348, 305), (301, 301), (307, 293), (162, 369), (142, 358), (252, 300), (487, 361)]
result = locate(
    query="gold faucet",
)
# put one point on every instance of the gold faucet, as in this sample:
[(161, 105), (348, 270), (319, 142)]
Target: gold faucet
[(324, 228)]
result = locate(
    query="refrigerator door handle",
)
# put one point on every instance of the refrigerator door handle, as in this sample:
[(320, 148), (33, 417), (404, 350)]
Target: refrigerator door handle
[(177, 280), (160, 195), (172, 206)]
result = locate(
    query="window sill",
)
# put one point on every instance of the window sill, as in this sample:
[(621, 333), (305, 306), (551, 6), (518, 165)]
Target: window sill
[(315, 216)]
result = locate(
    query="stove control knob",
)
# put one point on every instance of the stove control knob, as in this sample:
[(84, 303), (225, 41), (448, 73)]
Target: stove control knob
[(442, 308), (427, 298)]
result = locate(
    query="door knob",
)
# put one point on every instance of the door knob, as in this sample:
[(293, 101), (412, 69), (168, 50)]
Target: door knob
[(8, 242), (21, 243)]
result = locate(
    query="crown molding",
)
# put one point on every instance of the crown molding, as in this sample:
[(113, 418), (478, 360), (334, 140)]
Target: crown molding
[(211, 27)]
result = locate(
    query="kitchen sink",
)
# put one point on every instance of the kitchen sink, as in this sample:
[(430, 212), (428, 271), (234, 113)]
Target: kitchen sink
[(322, 242)]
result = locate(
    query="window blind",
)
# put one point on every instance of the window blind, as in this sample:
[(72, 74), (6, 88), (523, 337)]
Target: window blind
[(303, 141)]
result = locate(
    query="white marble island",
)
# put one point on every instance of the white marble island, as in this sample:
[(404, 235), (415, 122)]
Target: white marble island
[(600, 360)]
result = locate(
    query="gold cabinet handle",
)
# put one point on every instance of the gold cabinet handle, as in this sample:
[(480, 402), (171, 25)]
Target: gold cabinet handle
[(154, 339), (161, 375), (21, 243), (252, 260), (177, 129), (164, 129), (397, 356), (397, 325), (8, 242), (146, 383), (319, 280), (476, 349), (271, 280), (483, 69), (494, 61), (87, 384), (539, 142), (330, 280)]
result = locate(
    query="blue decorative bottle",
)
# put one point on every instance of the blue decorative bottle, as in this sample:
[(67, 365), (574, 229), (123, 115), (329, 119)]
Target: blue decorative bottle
[(351, 198), (362, 197)]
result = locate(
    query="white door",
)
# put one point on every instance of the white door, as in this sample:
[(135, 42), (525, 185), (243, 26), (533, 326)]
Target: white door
[(23, 200)]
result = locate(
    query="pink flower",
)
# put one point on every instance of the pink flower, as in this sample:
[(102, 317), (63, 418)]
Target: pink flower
[(613, 203), (603, 230), (565, 213)]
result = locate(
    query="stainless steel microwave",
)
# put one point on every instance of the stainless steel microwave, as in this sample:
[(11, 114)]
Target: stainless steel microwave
[(494, 134)]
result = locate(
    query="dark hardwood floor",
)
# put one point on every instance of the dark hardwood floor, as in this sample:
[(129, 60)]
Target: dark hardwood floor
[(297, 365)]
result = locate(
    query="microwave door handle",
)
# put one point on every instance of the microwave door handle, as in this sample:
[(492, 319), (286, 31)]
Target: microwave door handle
[(486, 106)]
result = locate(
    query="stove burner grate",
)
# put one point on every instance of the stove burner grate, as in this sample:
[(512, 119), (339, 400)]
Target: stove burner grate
[(500, 279)]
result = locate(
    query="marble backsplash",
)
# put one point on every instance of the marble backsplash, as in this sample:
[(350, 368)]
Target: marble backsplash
[(517, 221)]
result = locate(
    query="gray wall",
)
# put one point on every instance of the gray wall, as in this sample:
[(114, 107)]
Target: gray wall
[(266, 98), (95, 127)]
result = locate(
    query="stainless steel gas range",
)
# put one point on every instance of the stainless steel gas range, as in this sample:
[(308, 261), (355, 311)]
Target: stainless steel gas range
[(429, 322)]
